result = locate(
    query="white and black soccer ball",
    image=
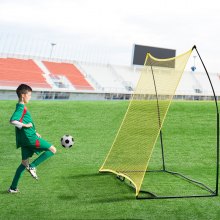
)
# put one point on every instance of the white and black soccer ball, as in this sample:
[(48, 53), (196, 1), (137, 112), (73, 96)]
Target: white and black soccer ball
[(67, 141)]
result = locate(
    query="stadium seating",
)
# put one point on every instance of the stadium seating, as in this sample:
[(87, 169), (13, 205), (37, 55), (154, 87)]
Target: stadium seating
[(70, 72), (197, 83), (187, 85), (93, 77), (14, 71), (204, 82), (129, 74), (106, 76), (216, 82)]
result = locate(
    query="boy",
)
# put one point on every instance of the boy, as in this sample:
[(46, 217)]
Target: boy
[(27, 138)]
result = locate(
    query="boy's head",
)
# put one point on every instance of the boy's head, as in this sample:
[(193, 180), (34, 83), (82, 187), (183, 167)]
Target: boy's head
[(24, 93)]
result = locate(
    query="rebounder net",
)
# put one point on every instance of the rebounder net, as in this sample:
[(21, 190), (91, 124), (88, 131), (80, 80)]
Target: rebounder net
[(138, 133)]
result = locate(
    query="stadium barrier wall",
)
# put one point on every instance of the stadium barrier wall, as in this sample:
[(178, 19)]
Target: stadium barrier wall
[(10, 94)]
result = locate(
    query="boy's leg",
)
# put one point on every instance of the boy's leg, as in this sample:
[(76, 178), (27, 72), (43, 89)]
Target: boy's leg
[(42, 145), (18, 174), (27, 152), (44, 156), (25, 156)]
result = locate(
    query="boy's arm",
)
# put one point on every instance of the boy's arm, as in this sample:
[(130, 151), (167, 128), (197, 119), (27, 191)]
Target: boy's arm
[(38, 135), (19, 124), (17, 115)]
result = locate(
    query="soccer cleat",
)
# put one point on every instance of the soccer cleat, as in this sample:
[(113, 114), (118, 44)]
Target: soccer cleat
[(32, 171), (13, 190)]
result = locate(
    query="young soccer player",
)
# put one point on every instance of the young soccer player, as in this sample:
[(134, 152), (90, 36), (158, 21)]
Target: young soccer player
[(27, 138)]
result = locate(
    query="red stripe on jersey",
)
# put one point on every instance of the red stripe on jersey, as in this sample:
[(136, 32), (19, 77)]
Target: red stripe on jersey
[(37, 144), (24, 112)]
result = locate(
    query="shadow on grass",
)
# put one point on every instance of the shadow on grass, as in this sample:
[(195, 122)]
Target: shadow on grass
[(85, 175), (107, 188), (4, 192), (96, 188)]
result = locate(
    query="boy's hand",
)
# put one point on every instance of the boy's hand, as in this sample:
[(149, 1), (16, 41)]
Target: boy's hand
[(29, 125)]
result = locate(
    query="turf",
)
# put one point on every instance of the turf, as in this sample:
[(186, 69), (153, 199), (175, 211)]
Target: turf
[(70, 186)]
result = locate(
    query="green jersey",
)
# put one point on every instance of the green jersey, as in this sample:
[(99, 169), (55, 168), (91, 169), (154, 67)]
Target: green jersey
[(24, 136)]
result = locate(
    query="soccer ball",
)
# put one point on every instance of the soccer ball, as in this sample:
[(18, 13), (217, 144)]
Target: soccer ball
[(67, 141)]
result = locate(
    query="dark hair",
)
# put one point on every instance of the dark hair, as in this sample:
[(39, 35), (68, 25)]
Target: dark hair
[(23, 89)]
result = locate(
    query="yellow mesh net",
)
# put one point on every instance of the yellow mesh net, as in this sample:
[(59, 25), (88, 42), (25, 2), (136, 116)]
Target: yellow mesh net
[(133, 145)]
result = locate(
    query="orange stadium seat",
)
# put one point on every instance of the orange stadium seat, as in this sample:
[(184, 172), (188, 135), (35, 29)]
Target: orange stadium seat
[(15, 71), (70, 72)]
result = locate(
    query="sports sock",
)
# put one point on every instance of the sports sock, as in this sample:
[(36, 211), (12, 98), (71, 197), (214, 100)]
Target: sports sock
[(17, 176), (41, 158)]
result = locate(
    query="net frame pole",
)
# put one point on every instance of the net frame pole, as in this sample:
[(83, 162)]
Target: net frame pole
[(217, 120), (162, 151), (159, 120)]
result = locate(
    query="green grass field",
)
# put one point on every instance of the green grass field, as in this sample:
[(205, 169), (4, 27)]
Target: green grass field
[(70, 186)]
